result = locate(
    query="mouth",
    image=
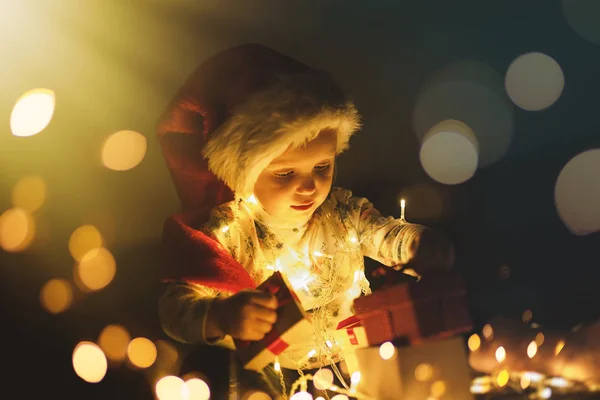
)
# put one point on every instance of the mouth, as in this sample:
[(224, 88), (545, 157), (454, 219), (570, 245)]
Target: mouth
[(303, 207)]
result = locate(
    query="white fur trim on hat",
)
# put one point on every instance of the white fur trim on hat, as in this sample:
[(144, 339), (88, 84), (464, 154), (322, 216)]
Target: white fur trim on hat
[(287, 113)]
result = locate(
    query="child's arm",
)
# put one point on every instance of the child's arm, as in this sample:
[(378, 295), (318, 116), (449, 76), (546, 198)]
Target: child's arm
[(395, 242)]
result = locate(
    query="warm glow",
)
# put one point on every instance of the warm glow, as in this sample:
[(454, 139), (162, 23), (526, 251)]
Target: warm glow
[(84, 239), (502, 378), (277, 366), (32, 112), (480, 388), (197, 389), (89, 362), (438, 388), (527, 315), (301, 396), (539, 339), (171, 388), (534, 81), (123, 150), (500, 354), (141, 352), (532, 349), (96, 269), (225, 228), (534, 376), (387, 350), (29, 193), (17, 230), (577, 193), (423, 372), (525, 381), (545, 393), (259, 396), (312, 353), (340, 397), (559, 382), (56, 295), (474, 342), (355, 378), (559, 347), (114, 340), (488, 332), (323, 379)]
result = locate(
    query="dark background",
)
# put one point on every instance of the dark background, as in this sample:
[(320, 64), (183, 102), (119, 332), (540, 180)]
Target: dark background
[(116, 64)]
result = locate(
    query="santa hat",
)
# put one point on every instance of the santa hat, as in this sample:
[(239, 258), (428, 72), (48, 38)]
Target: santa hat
[(237, 112)]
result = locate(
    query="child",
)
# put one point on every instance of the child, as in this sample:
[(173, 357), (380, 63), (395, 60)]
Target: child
[(271, 131)]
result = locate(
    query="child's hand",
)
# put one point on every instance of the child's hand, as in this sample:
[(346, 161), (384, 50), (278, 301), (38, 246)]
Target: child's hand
[(247, 315), (429, 251)]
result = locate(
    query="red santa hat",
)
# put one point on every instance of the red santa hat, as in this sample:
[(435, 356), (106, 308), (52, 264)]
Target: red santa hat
[(237, 112)]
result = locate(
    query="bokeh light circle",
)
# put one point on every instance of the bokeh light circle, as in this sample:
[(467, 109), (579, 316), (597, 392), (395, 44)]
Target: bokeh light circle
[(29, 193), (534, 81), (323, 379), (171, 387), (17, 229), (114, 340), (89, 362), (84, 239), (142, 352), (96, 269), (197, 389), (124, 150), (577, 193), (449, 154), (33, 112), (56, 295)]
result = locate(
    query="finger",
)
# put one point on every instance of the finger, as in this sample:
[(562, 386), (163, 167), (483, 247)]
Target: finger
[(260, 326), (264, 299), (264, 314)]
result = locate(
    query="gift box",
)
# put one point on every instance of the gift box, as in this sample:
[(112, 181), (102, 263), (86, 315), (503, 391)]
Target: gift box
[(350, 333), (434, 307), (435, 369), (291, 326)]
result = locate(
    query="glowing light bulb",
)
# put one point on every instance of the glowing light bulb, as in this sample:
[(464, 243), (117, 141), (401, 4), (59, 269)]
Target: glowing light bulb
[(387, 350), (225, 228), (500, 354), (474, 342), (532, 349)]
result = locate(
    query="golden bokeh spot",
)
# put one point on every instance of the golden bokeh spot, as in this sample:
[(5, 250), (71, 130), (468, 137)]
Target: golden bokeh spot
[(56, 295), (171, 388), (197, 389), (84, 239), (488, 332), (424, 372), (438, 388), (89, 362), (539, 339), (17, 229), (257, 396), (114, 340), (32, 112), (323, 379), (474, 342), (29, 193), (124, 150), (142, 352), (559, 347), (387, 350), (527, 315), (96, 269), (167, 354), (532, 349), (525, 381), (500, 354), (502, 378)]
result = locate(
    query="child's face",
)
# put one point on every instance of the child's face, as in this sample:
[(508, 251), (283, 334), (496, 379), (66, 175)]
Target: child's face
[(298, 181)]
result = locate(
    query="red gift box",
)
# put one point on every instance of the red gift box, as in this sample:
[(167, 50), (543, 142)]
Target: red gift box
[(291, 326), (351, 333), (436, 306)]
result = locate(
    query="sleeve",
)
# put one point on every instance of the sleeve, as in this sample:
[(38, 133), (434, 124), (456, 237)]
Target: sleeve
[(182, 312), (184, 306), (385, 239)]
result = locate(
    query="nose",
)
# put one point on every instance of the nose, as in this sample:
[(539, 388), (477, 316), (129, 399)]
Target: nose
[(306, 186)]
